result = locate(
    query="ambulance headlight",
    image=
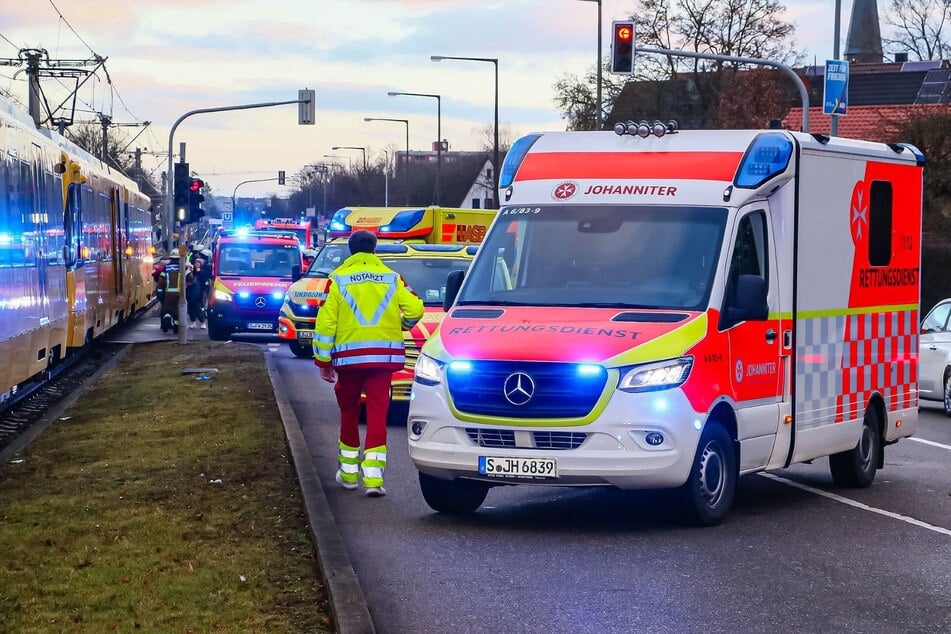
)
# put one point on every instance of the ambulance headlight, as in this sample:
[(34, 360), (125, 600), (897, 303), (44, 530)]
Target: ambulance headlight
[(655, 376), (222, 296), (428, 370)]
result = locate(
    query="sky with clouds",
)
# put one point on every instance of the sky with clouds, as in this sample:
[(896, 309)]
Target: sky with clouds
[(166, 57)]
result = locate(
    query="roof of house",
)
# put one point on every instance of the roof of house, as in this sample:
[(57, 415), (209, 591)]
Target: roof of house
[(869, 123)]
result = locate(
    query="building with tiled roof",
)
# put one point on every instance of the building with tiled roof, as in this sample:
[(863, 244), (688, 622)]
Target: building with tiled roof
[(868, 123)]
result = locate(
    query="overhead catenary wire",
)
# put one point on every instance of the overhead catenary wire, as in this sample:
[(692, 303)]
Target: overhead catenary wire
[(7, 40), (70, 26)]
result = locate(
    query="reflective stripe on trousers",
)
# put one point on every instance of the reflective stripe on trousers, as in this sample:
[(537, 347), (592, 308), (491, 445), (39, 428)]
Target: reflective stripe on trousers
[(349, 460), (373, 465)]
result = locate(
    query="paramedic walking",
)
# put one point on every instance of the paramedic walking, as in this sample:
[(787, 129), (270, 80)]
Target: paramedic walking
[(358, 342)]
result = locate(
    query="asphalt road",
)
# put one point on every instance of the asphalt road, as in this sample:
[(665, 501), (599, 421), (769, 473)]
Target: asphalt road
[(602, 560)]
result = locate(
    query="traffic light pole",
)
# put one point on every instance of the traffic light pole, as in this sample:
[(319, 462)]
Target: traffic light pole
[(169, 202), (235, 192), (804, 95)]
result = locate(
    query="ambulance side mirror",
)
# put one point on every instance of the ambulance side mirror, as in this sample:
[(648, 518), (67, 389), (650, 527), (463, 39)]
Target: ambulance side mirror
[(453, 282), (750, 302), (295, 272)]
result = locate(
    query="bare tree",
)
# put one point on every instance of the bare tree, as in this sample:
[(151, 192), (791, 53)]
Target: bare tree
[(919, 27), (740, 28), (486, 137)]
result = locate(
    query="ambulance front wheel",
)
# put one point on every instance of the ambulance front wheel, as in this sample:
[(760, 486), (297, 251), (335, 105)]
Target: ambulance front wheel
[(457, 497), (947, 393), (301, 351), (856, 467), (708, 493)]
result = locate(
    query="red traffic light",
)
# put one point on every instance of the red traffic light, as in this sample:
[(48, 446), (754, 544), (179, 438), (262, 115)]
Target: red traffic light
[(196, 184), (624, 32)]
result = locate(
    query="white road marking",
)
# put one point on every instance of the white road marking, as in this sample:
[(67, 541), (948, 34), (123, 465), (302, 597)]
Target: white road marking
[(859, 505), (931, 442)]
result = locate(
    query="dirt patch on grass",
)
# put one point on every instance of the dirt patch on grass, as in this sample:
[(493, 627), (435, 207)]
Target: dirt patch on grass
[(164, 502)]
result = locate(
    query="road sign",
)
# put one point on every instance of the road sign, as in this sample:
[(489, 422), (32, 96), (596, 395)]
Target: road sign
[(835, 98), (227, 219)]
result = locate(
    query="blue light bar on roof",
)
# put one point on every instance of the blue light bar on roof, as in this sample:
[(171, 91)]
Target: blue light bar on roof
[(514, 158), (403, 221), (767, 156)]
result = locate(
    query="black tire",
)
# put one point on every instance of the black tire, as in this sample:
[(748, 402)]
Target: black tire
[(947, 394), (457, 497), (708, 493), (216, 332), (397, 413), (856, 467), (301, 351)]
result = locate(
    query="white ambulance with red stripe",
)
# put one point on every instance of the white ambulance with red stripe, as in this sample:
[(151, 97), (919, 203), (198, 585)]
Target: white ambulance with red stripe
[(655, 308)]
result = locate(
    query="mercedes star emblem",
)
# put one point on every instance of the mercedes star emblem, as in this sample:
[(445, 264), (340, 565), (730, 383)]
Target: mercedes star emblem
[(260, 302), (519, 388)]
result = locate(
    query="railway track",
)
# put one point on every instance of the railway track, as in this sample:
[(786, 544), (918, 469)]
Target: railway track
[(34, 403)]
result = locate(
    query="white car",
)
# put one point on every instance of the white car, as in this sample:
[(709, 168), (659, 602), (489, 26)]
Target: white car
[(934, 356)]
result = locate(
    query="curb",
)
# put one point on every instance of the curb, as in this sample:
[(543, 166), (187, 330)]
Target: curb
[(347, 602)]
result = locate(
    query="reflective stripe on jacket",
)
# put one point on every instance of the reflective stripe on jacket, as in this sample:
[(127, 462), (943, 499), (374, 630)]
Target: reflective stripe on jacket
[(361, 323)]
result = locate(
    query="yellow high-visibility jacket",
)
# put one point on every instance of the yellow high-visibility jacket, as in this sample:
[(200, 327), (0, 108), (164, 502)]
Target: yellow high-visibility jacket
[(361, 324)]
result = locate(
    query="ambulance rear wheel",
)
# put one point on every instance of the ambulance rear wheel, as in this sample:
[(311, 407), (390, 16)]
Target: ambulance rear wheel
[(856, 467), (708, 493), (301, 351), (457, 497)]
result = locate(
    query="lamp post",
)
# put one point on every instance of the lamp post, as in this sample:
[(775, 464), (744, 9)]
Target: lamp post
[(406, 156), (495, 141), (597, 113), (438, 99), (386, 178), (354, 147), (340, 156)]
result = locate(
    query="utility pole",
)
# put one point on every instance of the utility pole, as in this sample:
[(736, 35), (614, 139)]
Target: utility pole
[(38, 64)]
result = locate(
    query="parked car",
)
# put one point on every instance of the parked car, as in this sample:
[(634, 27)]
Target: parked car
[(934, 356)]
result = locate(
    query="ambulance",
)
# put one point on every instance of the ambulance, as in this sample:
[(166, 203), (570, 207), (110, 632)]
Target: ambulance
[(300, 227), (421, 244), (655, 308)]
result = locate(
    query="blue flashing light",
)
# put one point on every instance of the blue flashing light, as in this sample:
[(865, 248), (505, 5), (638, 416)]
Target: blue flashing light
[(514, 158), (244, 294), (438, 248), (767, 155), (462, 367), (6, 239), (403, 221), (661, 405), (391, 248), (337, 222), (243, 232), (277, 295), (472, 250), (590, 369)]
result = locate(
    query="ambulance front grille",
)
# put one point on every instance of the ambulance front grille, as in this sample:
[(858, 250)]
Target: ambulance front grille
[(505, 439)]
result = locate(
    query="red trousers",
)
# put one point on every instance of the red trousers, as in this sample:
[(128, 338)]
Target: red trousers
[(376, 385)]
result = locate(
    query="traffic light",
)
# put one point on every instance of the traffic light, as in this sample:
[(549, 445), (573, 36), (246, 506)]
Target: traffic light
[(280, 177), (195, 198), (622, 51), (181, 192)]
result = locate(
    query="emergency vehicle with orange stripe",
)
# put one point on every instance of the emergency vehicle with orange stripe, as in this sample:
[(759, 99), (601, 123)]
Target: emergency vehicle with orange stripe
[(422, 244), (655, 308)]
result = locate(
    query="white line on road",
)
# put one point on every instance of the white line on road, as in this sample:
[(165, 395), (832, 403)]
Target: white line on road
[(859, 505), (931, 442)]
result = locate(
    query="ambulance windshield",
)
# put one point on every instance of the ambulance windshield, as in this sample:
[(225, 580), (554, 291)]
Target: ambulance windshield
[(608, 256), (329, 258)]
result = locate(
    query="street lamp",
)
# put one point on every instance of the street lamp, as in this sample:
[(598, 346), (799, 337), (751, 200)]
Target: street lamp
[(354, 147), (495, 153), (438, 99), (406, 157), (340, 156), (597, 113)]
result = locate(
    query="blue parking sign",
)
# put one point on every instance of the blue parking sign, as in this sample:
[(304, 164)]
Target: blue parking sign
[(835, 99)]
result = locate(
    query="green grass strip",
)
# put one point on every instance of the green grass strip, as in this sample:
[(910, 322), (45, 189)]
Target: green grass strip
[(163, 503)]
